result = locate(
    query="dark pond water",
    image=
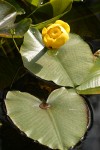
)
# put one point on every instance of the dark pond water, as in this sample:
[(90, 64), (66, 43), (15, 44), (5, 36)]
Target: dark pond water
[(92, 140)]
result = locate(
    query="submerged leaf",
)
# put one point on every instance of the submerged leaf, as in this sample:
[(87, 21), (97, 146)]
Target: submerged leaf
[(55, 126)]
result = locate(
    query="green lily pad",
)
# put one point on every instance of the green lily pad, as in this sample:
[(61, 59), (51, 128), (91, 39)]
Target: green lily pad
[(59, 126), (69, 66), (92, 83)]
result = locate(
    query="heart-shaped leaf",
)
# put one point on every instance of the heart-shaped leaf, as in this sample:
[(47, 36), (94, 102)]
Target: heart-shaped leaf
[(68, 67), (59, 126)]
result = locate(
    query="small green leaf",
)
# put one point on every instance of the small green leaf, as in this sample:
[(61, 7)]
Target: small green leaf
[(68, 67), (18, 30), (7, 18), (7, 15), (35, 2), (60, 126), (91, 85)]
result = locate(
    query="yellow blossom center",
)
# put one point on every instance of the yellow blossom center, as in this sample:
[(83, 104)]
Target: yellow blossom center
[(54, 32)]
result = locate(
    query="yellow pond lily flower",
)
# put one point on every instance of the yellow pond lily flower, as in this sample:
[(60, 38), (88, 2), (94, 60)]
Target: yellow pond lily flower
[(55, 35)]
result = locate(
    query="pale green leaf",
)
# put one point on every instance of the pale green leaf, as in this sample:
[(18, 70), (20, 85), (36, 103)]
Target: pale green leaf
[(92, 83), (68, 67), (60, 126), (32, 44)]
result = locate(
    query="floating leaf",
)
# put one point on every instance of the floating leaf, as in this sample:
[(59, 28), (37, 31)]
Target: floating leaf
[(68, 67), (92, 83), (60, 126)]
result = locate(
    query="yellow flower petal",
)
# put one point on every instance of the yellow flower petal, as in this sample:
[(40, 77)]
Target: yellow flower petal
[(64, 25), (48, 41), (52, 26), (55, 32), (55, 35), (60, 41), (44, 31)]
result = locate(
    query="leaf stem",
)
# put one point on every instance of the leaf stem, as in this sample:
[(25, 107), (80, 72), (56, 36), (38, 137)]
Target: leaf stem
[(44, 105), (12, 33)]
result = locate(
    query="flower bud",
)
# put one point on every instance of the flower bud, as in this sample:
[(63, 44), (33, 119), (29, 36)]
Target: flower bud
[(55, 35)]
